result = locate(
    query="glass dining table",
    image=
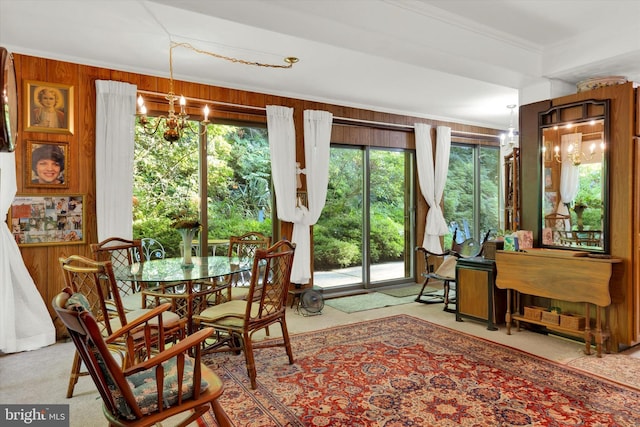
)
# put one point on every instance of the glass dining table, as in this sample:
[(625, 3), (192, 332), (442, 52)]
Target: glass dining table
[(188, 289)]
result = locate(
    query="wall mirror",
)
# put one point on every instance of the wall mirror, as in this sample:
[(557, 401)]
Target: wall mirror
[(8, 102), (574, 147)]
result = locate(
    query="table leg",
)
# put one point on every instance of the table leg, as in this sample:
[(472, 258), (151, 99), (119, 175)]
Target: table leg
[(599, 336), (190, 300), (508, 315), (587, 329), (607, 329)]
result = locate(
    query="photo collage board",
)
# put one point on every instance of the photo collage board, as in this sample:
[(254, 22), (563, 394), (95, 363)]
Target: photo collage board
[(47, 220)]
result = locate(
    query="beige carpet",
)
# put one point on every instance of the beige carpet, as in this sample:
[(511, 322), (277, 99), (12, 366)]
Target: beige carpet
[(615, 367)]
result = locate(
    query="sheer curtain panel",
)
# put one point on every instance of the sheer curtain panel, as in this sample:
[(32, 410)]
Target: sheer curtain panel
[(317, 138), (25, 323), (282, 145), (432, 177), (115, 124), (569, 176)]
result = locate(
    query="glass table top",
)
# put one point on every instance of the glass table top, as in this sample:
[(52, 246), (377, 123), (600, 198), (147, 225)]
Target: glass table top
[(171, 269)]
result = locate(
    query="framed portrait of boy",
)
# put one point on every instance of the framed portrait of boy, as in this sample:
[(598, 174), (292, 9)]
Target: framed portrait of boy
[(47, 164), (48, 107)]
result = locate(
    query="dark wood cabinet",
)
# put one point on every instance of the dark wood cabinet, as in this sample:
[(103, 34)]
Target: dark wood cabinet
[(476, 294)]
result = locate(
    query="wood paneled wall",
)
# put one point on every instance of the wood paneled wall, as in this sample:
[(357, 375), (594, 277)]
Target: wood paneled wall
[(42, 262)]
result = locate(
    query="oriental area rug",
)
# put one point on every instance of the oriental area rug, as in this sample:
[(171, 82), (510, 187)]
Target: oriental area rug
[(404, 371)]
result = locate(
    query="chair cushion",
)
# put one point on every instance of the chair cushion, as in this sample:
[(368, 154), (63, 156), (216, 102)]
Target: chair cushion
[(144, 387), (239, 292), (230, 313), (132, 302), (78, 302), (169, 318)]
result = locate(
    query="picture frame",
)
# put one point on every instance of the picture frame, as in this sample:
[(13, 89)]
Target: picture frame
[(48, 107), (550, 201), (548, 150), (45, 220), (47, 164), (548, 178)]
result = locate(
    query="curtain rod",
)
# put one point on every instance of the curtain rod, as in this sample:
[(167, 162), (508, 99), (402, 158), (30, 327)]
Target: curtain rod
[(406, 128), (336, 120), (206, 101)]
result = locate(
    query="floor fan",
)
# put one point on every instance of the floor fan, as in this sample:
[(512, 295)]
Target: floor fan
[(311, 303)]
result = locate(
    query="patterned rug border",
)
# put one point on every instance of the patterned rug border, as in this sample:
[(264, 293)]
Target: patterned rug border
[(567, 366), (462, 343)]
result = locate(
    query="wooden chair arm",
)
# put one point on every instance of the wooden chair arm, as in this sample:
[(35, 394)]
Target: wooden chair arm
[(192, 341), (138, 322)]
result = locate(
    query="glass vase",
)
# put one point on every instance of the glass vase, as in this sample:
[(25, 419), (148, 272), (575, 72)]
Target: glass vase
[(187, 234)]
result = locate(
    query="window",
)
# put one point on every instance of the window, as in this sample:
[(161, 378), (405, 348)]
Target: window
[(471, 194), (168, 183)]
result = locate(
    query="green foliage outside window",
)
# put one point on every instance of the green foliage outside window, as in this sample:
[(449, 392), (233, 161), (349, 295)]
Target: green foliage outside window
[(166, 183)]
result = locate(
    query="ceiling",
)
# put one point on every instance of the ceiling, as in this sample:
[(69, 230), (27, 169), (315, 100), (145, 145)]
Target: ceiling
[(457, 60)]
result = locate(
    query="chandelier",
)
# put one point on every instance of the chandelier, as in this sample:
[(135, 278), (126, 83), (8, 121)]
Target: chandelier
[(575, 154), (510, 137), (176, 123)]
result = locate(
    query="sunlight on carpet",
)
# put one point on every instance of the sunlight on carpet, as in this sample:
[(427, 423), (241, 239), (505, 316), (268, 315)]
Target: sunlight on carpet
[(366, 302), (405, 371)]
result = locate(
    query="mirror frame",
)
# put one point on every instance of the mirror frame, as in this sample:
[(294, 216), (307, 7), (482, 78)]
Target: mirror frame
[(8, 102), (577, 113)]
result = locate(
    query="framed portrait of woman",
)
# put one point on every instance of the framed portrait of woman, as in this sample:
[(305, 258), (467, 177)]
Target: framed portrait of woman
[(47, 164), (48, 107)]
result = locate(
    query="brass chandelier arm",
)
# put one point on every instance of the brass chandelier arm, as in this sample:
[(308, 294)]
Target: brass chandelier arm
[(290, 60)]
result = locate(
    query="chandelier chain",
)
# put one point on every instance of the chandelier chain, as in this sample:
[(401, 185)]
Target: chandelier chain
[(177, 121), (289, 60)]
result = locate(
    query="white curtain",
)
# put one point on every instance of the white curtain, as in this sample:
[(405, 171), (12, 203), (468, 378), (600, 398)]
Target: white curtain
[(317, 138), (282, 144), (115, 125), (432, 177), (25, 323), (569, 174)]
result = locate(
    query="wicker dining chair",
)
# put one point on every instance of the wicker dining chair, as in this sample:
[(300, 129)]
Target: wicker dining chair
[(244, 247), (122, 253), (236, 321), (134, 396), (95, 280)]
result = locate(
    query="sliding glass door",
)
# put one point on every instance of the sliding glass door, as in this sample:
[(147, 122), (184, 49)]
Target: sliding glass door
[(364, 236)]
